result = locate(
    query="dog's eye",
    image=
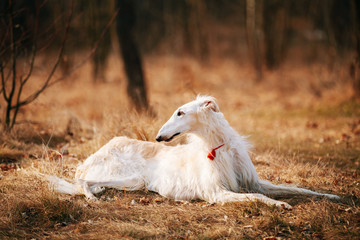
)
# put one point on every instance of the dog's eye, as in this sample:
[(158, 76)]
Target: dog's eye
[(180, 113)]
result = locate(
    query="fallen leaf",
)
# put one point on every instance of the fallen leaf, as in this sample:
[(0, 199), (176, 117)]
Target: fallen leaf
[(356, 131), (8, 166), (159, 200), (269, 238), (317, 236), (144, 201), (312, 125), (345, 137)]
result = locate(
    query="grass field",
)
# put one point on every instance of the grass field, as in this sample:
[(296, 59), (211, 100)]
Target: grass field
[(302, 121)]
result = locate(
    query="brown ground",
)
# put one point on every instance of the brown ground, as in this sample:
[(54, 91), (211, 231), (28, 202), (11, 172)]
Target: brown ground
[(302, 121)]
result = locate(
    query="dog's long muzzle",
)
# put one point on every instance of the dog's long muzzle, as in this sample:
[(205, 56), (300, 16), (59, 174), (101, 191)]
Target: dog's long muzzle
[(163, 138)]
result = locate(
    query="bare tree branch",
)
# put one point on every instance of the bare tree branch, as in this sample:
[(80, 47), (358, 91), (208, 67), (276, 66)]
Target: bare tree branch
[(3, 40), (32, 61), (49, 40), (92, 51), (32, 97), (34, 50), (15, 88), (13, 56), (2, 80), (22, 84)]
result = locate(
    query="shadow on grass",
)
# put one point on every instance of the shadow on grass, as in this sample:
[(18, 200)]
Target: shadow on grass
[(147, 197), (349, 200)]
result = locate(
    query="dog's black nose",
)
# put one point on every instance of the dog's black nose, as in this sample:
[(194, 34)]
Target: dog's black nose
[(159, 139)]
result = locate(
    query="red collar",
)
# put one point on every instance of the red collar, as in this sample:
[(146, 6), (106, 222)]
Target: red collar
[(212, 154)]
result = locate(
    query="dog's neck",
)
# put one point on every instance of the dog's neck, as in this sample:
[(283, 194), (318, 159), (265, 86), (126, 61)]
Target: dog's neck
[(216, 132)]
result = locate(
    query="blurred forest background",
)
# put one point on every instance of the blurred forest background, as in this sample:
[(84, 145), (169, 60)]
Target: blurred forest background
[(76, 73), (265, 33)]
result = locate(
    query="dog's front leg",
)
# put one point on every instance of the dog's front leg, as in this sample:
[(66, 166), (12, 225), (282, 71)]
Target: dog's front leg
[(227, 196)]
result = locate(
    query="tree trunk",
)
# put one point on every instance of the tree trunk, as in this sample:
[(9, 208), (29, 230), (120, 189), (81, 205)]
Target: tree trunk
[(275, 19), (136, 88), (355, 67), (99, 15), (253, 36)]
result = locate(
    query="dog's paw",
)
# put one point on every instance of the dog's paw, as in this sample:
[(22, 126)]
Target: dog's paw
[(92, 198), (283, 205), (332, 196)]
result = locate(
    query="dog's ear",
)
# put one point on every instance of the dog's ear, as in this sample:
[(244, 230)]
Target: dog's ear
[(210, 104)]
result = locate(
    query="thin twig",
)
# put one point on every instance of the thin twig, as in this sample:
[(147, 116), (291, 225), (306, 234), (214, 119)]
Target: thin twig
[(3, 40), (14, 56), (53, 36), (33, 50), (2, 80), (92, 51), (32, 61), (46, 84)]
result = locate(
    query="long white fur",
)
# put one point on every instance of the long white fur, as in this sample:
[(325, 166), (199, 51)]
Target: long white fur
[(181, 172)]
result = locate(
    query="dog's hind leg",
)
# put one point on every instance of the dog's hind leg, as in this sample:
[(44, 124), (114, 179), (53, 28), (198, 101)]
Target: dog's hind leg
[(86, 189), (227, 196), (130, 183), (90, 187), (271, 189)]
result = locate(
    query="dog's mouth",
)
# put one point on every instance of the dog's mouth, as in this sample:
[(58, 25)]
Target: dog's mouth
[(160, 138), (171, 138)]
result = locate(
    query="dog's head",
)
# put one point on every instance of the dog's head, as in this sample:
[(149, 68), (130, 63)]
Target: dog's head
[(186, 118)]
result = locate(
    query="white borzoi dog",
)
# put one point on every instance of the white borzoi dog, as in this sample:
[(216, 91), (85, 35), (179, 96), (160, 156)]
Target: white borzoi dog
[(213, 166)]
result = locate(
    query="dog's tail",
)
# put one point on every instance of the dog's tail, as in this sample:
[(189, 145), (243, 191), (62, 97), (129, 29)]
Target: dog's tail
[(63, 186), (271, 189)]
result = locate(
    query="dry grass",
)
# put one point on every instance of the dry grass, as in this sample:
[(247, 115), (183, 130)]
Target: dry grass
[(303, 124)]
